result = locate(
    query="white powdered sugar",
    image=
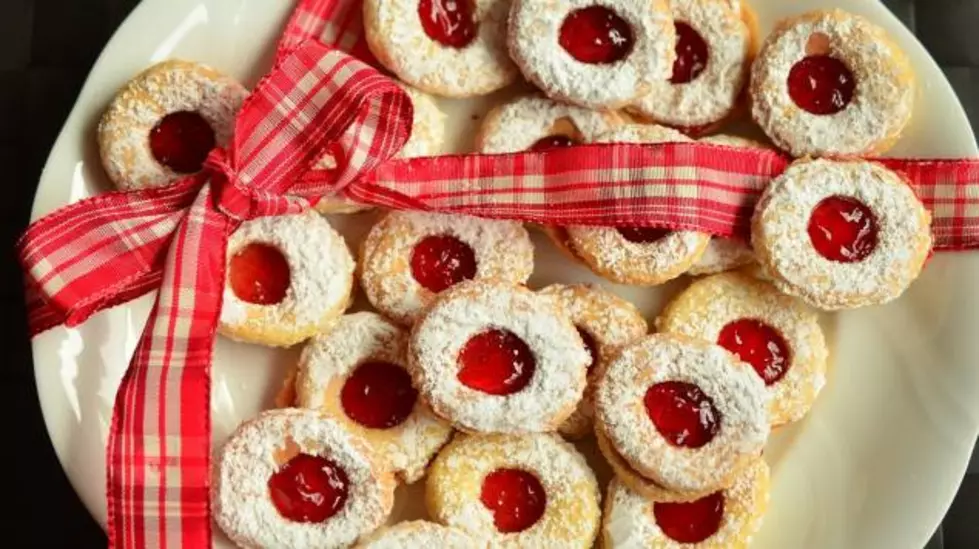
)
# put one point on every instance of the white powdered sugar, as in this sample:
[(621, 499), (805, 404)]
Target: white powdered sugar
[(738, 394), (535, 27), (610, 321), (471, 308), (882, 103), (320, 268), (243, 507), (165, 88), (710, 304), (722, 254), (711, 95), (396, 37), (418, 534), (572, 513), (502, 249), (782, 243), (630, 523), (331, 357), (519, 124)]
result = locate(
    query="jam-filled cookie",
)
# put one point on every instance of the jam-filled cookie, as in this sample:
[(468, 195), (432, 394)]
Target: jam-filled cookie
[(444, 47), (498, 358), (640, 256), (164, 122), (515, 491), (776, 334), (294, 478), (831, 83), (684, 413), (287, 278), (841, 234), (357, 373), (409, 257), (713, 57), (594, 54), (427, 138), (536, 123), (726, 519), (419, 534), (723, 253), (605, 322)]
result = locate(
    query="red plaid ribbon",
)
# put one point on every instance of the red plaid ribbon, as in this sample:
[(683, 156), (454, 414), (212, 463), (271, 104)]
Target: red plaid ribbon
[(110, 249)]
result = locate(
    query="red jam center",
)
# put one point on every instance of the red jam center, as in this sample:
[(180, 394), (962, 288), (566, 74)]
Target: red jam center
[(642, 235), (309, 488), (821, 84), (682, 413), (596, 35), (259, 273), (515, 497), (552, 142), (496, 362), (757, 344), (691, 522), (182, 141), (441, 261), (378, 395), (448, 22), (843, 229), (590, 346), (691, 54)]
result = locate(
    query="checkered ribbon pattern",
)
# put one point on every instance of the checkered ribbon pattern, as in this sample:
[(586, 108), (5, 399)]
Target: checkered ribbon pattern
[(323, 96)]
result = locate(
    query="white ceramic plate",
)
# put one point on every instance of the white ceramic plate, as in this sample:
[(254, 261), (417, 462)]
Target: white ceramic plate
[(875, 464)]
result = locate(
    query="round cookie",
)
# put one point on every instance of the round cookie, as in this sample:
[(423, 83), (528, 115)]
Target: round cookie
[(831, 83), (605, 322), (727, 519), (534, 122), (443, 47), (841, 234), (685, 413), (599, 55), (357, 374), (418, 534), (776, 334), (162, 124), (287, 278), (408, 258), (493, 357), (516, 491), (293, 478)]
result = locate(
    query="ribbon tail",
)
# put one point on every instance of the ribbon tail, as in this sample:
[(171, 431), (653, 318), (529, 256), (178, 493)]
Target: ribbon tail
[(158, 453), (335, 23)]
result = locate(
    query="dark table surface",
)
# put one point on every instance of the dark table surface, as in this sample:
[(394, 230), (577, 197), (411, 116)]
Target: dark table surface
[(47, 48)]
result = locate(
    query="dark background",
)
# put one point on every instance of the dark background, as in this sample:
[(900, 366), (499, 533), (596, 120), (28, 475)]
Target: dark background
[(46, 50)]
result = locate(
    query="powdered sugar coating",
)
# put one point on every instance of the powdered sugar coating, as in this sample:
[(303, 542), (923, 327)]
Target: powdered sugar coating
[(712, 94), (419, 534), (240, 493), (572, 514), (782, 243), (629, 522), (738, 395), (331, 357), (610, 255), (518, 124), (321, 279), (610, 321), (396, 37), (882, 104), (165, 88), (503, 251), (709, 304), (427, 137), (473, 307), (535, 26)]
